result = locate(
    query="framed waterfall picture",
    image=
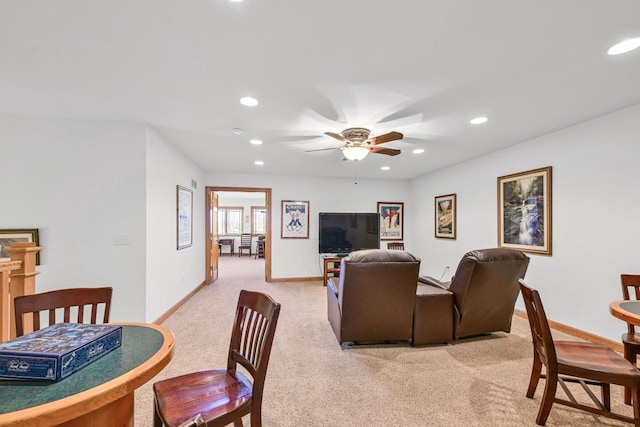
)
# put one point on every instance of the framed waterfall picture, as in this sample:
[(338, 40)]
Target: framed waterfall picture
[(445, 214), (184, 217), (524, 211), (391, 220), (294, 220)]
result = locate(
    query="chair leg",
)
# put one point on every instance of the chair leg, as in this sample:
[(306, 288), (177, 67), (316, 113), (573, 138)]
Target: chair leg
[(550, 386), (606, 396), (630, 355), (536, 369), (157, 422), (636, 403)]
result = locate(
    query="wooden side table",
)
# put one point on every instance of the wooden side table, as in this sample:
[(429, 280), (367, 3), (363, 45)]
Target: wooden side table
[(331, 268)]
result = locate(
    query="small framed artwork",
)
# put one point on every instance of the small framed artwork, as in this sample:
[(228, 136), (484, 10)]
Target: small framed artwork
[(524, 211), (391, 220), (445, 214), (7, 237), (294, 221), (184, 207)]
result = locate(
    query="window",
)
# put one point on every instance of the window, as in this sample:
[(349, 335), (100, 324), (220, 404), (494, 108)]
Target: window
[(258, 220), (230, 220)]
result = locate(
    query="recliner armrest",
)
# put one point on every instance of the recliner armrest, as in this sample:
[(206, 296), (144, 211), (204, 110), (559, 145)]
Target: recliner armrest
[(428, 280)]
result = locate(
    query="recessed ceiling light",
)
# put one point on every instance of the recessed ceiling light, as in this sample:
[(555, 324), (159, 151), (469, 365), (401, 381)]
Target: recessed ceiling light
[(258, 162), (418, 151), (478, 120), (385, 168), (236, 131), (624, 46), (255, 142), (248, 101)]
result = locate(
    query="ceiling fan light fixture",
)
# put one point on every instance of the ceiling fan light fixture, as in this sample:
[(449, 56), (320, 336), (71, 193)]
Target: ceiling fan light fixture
[(355, 153)]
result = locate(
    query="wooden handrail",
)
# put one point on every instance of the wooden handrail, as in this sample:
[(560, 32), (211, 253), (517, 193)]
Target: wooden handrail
[(17, 277)]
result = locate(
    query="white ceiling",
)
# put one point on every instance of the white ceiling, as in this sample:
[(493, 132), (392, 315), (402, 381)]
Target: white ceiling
[(421, 67)]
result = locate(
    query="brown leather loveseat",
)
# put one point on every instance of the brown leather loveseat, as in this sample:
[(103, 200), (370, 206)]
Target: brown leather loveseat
[(479, 300), (374, 297)]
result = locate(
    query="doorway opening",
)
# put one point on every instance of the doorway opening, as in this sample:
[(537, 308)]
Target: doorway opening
[(248, 206)]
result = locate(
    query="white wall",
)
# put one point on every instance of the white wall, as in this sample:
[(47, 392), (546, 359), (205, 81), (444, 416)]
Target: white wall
[(171, 273), (79, 183), (292, 258), (596, 206)]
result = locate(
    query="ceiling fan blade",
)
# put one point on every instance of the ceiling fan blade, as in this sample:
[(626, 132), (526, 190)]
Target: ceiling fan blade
[(322, 149), (387, 151), (336, 136), (387, 137)]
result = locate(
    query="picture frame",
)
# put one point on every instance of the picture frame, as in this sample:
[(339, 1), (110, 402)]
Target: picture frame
[(391, 220), (524, 211), (9, 236), (184, 217), (294, 219), (445, 216)]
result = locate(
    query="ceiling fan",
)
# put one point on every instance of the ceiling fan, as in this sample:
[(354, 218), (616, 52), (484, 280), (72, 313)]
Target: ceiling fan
[(358, 143)]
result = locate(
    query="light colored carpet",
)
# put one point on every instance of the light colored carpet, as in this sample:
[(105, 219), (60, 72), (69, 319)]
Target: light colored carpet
[(313, 382)]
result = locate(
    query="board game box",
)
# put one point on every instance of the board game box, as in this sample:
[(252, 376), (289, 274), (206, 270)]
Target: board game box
[(57, 351)]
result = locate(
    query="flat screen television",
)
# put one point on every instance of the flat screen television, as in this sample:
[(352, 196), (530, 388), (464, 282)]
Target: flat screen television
[(342, 233)]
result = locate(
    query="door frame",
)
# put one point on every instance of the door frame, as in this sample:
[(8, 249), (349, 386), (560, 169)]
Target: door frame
[(209, 233)]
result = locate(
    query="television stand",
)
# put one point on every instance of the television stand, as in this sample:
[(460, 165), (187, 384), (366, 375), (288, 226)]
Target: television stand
[(331, 266)]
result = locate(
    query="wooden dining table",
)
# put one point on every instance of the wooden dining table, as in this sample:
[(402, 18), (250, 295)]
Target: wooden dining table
[(100, 394), (627, 310)]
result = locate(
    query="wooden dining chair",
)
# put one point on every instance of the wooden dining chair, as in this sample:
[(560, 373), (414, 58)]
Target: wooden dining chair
[(398, 246), (575, 362), (223, 396), (245, 243), (62, 305), (630, 340)]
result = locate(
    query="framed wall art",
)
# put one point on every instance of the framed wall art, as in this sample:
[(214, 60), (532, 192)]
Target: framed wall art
[(524, 211), (294, 219), (445, 216), (184, 206), (7, 237), (391, 220)]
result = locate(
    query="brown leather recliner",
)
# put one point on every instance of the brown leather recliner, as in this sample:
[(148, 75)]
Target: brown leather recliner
[(374, 297), (483, 290)]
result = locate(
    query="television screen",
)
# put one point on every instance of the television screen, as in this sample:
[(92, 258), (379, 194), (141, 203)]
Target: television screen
[(342, 233)]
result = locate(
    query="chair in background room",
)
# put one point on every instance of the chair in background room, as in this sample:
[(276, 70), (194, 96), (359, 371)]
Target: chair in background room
[(222, 396), (245, 243), (260, 247), (70, 303), (630, 340), (397, 246), (575, 362)]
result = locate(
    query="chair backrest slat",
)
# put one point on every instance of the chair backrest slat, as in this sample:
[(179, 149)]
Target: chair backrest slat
[(65, 300)]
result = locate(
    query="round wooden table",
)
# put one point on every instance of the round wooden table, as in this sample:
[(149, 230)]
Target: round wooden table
[(626, 310), (100, 394)]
